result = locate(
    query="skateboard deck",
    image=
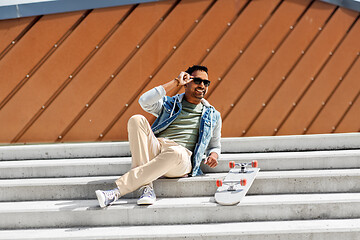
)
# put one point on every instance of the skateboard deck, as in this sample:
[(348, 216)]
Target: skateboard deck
[(236, 183)]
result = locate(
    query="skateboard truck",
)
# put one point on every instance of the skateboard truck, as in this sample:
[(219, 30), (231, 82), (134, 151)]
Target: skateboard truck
[(243, 166), (231, 184)]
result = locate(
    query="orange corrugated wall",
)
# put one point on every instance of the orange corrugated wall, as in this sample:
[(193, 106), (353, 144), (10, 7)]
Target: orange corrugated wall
[(277, 67)]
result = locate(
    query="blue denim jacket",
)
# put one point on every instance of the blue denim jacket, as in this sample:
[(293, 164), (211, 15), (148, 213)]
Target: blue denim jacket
[(166, 109)]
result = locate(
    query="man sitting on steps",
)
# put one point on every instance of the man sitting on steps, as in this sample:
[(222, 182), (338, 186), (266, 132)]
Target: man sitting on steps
[(187, 128)]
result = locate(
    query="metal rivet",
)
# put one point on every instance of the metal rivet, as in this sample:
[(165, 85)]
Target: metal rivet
[(294, 103), (60, 137), (350, 103), (291, 27), (330, 53), (208, 50), (229, 24), (43, 107), (312, 79), (161, 19), (244, 131), (174, 47), (264, 104), (13, 42), (55, 45), (305, 129), (97, 47), (232, 105), (283, 78), (219, 78), (260, 25), (126, 105), (137, 46), (28, 76), (112, 76), (358, 53), (196, 20), (323, 103), (275, 130), (252, 79), (70, 76), (150, 76), (101, 135), (333, 128), (87, 105), (320, 28), (241, 51), (273, 51), (302, 52), (341, 78)]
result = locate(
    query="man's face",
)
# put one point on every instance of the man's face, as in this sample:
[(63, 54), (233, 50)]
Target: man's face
[(195, 92)]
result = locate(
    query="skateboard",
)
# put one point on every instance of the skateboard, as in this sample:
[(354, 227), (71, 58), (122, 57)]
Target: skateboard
[(236, 183)]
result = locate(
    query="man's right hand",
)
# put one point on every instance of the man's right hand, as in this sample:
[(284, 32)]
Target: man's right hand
[(183, 78)]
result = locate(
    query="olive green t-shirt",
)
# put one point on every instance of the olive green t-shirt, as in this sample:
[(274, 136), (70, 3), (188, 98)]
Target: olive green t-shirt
[(184, 130)]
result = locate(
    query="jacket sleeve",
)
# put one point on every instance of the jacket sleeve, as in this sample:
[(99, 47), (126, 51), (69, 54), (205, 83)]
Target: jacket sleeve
[(152, 100), (215, 141)]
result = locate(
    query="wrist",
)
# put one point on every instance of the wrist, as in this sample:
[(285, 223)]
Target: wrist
[(178, 81)]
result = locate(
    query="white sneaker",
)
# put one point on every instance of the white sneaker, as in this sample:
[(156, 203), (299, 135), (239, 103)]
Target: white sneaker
[(106, 198), (148, 196)]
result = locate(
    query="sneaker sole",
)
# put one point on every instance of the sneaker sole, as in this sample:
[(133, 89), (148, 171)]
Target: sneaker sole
[(145, 201), (100, 198)]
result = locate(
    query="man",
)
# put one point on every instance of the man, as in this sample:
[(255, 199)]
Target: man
[(187, 128)]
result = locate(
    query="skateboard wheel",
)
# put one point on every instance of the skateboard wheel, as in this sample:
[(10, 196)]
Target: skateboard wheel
[(243, 182), (231, 164), (254, 163), (219, 183)]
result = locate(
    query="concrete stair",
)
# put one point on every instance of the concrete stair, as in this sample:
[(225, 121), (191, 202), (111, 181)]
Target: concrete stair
[(308, 188)]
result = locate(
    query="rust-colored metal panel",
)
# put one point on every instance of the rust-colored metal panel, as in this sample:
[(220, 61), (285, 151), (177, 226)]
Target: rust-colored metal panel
[(249, 65), (300, 79), (338, 104), (150, 56), (20, 61), (324, 85), (63, 64), (255, 57), (10, 30), (350, 122), (271, 77), (240, 33), (57, 70), (96, 73), (197, 44)]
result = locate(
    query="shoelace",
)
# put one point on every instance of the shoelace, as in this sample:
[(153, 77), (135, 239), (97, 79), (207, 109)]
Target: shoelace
[(147, 191), (110, 194)]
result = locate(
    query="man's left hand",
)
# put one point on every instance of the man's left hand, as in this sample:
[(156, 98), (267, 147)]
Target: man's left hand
[(211, 160)]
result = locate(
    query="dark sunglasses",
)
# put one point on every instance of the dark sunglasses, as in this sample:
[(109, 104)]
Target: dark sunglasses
[(199, 81)]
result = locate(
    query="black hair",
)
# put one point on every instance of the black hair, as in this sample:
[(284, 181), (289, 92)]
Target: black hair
[(194, 68)]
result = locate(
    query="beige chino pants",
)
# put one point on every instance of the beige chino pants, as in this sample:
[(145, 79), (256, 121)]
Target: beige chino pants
[(151, 157)]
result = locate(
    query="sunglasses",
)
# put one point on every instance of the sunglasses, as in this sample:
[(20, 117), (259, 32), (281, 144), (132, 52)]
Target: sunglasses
[(200, 80)]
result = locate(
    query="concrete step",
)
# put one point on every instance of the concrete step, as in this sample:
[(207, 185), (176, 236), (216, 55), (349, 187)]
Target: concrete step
[(273, 182), (173, 211), (79, 167), (333, 229), (229, 145)]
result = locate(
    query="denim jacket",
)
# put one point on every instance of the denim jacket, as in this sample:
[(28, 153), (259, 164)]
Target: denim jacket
[(166, 109)]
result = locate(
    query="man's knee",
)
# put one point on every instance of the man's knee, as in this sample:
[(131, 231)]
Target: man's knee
[(136, 120)]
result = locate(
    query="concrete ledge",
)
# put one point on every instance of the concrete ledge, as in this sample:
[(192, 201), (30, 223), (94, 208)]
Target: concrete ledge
[(229, 145), (275, 182), (292, 143), (166, 211), (294, 230)]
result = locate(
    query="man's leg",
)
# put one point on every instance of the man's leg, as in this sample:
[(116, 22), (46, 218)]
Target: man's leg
[(172, 161)]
